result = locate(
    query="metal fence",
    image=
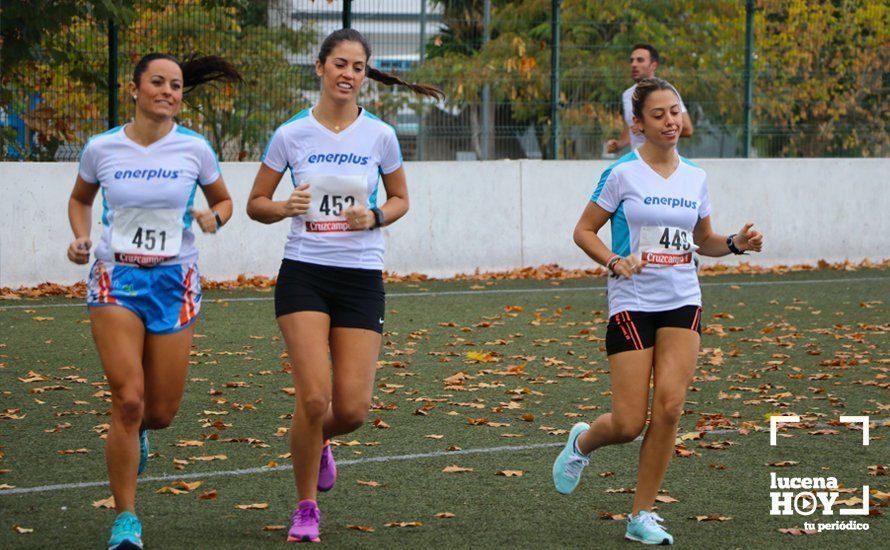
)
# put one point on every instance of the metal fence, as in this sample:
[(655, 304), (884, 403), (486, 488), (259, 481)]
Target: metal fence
[(820, 73)]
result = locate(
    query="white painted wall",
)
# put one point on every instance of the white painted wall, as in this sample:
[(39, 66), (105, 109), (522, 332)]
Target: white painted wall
[(488, 216)]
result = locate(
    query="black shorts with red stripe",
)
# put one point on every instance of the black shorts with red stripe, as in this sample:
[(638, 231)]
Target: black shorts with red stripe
[(635, 330)]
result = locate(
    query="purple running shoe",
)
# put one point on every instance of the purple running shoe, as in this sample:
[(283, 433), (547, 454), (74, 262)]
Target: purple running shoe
[(306, 520), (327, 470)]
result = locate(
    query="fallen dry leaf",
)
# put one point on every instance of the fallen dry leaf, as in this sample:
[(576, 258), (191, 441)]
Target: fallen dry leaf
[(445, 515), (667, 499), (255, 506), (274, 527), (104, 503), (369, 483), (80, 451), (22, 530), (797, 531), (510, 473), (404, 524), (783, 463), (208, 495), (455, 469), (711, 518)]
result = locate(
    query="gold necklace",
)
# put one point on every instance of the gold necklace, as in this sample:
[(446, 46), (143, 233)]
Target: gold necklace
[(337, 127)]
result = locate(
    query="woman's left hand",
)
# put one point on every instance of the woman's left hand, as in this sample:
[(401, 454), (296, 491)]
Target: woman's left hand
[(748, 238), (359, 218), (206, 219)]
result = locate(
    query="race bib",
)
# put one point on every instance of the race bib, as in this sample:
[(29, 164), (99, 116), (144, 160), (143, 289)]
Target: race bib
[(146, 236), (666, 246), (331, 195)]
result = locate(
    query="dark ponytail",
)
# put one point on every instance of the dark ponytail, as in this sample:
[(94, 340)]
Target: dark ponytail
[(644, 88), (195, 70), (393, 80), (352, 35)]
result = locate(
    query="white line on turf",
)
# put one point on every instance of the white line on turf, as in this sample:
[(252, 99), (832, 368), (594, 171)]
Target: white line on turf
[(250, 471), (503, 291)]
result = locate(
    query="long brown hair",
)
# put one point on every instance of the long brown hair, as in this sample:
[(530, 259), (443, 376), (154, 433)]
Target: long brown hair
[(352, 35), (196, 70)]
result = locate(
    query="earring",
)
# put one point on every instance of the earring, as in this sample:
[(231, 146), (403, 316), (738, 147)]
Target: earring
[(134, 98)]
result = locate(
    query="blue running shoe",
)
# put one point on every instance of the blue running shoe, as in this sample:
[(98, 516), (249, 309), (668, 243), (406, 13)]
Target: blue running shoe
[(143, 450), (570, 463), (126, 533), (645, 528)]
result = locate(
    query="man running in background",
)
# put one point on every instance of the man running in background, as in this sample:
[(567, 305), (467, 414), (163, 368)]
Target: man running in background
[(644, 60)]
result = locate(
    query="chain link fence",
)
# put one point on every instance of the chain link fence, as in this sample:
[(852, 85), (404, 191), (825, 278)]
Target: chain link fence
[(821, 73)]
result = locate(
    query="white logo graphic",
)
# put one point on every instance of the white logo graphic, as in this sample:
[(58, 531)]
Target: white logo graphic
[(806, 495)]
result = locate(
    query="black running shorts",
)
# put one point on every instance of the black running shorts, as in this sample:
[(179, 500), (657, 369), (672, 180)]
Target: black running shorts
[(353, 298), (635, 330)]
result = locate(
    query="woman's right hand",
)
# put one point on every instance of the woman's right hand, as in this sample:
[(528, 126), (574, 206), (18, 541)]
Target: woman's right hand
[(628, 267), (79, 250), (298, 202)]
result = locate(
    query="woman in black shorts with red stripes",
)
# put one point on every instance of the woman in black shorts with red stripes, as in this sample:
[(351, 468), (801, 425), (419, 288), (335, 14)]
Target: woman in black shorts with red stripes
[(659, 210)]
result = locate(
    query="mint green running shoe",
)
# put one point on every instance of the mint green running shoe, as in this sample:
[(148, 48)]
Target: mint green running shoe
[(645, 528), (143, 451), (570, 463), (126, 533)]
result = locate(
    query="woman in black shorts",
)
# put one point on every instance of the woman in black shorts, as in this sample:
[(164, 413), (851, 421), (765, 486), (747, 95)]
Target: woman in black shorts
[(658, 205), (329, 298)]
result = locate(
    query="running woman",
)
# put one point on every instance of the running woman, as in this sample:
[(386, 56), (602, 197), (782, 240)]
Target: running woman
[(658, 204), (144, 291), (329, 298)]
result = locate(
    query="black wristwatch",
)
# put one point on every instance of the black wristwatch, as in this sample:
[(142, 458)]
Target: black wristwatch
[(732, 247), (378, 218), (219, 222)]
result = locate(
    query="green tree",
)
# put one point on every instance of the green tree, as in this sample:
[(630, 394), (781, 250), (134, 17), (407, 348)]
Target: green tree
[(237, 119)]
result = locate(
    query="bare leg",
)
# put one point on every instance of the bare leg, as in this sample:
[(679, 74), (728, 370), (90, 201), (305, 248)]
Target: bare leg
[(165, 362), (119, 335), (630, 372), (676, 353), (306, 334), (354, 352)]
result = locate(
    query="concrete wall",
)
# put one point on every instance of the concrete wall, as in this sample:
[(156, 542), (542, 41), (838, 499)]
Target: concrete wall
[(488, 216)]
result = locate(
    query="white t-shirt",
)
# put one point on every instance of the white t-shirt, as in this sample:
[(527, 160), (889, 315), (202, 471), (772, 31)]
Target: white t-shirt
[(342, 169), (627, 104), (147, 192), (643, 202)]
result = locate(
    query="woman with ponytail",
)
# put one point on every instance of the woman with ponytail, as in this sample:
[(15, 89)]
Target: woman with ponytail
[(329, 298), (144, 290)]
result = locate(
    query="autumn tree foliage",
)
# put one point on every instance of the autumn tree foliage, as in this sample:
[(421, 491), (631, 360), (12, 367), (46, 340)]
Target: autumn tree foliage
[(820, 66)]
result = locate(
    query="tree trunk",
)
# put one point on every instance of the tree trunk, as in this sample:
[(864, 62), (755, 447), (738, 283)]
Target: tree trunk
[(475, 130)]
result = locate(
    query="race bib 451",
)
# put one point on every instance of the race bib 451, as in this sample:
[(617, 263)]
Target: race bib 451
[(146, 236)]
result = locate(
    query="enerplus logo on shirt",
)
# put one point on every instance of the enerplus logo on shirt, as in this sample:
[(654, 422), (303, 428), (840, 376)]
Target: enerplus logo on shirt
[(146, 174), (337, 158), (673, 202)]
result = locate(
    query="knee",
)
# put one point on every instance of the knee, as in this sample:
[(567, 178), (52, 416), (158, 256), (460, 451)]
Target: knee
[(128, 409), (158, 420), (626, 430), (314, 407), (351, 417), (668, 410)]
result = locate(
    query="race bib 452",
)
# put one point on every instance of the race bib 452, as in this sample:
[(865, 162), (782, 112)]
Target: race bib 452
[(331, 195)]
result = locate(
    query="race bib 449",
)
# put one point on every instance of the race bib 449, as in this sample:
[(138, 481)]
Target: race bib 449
[(666, 246)]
